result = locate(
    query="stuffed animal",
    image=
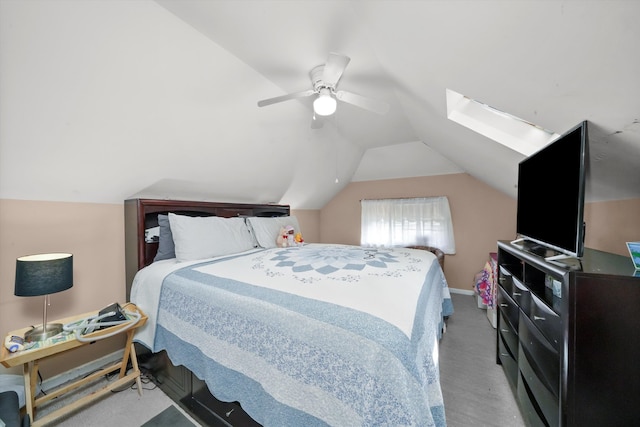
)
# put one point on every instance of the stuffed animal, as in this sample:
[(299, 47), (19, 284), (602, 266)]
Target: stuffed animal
[(281, 239), (286, 237)]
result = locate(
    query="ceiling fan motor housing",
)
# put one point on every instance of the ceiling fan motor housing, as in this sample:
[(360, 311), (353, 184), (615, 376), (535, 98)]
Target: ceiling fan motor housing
[(316, 79)]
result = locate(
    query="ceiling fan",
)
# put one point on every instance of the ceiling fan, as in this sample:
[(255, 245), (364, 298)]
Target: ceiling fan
[(324, 79)]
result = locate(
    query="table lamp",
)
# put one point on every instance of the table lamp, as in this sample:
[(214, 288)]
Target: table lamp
[(43, 274)]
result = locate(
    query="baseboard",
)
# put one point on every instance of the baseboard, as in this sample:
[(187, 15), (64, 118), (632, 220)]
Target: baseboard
[(461, 291), (82, 370)]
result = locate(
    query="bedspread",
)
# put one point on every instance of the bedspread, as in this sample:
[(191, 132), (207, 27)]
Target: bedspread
[(313, 335)]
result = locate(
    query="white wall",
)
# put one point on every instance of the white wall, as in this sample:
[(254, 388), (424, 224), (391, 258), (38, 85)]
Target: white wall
[(105, 100)]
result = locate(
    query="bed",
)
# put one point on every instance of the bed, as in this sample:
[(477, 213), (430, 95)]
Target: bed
[(309, 334)]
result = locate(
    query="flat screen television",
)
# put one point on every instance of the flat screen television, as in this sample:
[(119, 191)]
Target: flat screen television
[(551, 192)]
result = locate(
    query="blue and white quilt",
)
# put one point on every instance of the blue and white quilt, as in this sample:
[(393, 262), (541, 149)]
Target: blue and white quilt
[(306, 336)]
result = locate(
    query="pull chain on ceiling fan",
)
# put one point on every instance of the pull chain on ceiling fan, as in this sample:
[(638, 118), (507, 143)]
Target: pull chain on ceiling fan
[(324, 79)]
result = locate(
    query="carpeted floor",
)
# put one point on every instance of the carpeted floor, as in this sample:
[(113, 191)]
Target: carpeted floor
[(172, 416), (123, 408), (475, 389)]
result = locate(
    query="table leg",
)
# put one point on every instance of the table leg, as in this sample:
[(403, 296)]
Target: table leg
[(134, 362), (130, 353), (30, 374), (127, 353)]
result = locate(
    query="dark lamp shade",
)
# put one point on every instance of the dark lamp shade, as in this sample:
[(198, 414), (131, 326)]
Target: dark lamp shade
[(43, 274)]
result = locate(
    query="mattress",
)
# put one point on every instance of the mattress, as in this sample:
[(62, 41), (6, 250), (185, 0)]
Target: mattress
[(310, 335)]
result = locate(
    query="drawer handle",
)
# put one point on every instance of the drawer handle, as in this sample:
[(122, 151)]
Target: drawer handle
[(502, 279), (538, 317), (505, 355), (504, 305), (517, 294), (506, 331)]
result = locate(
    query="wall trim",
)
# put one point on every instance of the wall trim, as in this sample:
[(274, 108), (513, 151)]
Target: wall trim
[(461, 291)]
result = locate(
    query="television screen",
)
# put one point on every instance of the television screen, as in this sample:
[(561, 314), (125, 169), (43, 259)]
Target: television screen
[(551, 187)]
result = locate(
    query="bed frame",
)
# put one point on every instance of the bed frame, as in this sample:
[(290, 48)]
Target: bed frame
[(141, 214), (176, 381)]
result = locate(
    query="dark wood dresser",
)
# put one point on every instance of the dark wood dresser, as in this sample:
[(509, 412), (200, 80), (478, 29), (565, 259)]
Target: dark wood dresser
[(568, 336)]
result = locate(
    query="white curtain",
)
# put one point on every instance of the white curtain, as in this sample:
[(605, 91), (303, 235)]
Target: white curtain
[(408, 222)]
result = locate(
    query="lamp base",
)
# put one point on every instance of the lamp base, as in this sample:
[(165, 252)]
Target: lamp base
[(42, 333)]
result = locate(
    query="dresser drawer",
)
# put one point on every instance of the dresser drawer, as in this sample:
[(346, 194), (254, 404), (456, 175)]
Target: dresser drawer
[(505, 279), (509, 363), (521, 295), (546, 402), (543, 358), (548, 321), (514, 287), (510, 337), (526, 401), (508, 308)]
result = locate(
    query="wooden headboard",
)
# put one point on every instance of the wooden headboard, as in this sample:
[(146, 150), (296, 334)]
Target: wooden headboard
[(142, 214)]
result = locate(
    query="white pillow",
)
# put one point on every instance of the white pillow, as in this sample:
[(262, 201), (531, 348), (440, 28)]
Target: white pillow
[(266, 230), (207, 237)]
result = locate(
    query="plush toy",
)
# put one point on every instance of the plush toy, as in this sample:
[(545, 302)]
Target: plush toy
[(281, 239), (286, 237)]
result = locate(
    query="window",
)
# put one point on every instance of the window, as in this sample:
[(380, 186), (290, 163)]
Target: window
[(511, 131), (408, 222)]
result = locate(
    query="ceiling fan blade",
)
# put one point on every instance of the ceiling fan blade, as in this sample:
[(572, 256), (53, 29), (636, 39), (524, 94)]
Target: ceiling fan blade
[(374, 105), (277, 99), (334, 67)]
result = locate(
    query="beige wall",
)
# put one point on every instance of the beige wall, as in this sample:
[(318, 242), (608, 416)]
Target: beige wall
[(94, 234), (309, 221), (611, 224), (481, 216)]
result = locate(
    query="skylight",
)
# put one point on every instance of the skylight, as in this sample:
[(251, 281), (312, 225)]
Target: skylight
[(518, 134)]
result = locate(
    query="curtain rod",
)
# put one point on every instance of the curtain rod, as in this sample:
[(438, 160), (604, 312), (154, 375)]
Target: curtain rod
[(403, 198)]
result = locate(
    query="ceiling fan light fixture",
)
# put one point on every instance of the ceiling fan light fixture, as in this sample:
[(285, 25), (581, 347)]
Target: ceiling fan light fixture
[(325, 104)]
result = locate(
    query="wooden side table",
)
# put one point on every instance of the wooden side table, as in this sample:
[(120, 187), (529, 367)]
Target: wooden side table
[(30, 359)]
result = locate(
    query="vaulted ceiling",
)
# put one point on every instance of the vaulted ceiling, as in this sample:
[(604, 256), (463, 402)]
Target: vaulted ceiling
[(107, 100)]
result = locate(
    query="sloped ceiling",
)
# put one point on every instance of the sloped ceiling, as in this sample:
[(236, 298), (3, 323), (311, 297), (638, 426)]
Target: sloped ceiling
[(101, 101)]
